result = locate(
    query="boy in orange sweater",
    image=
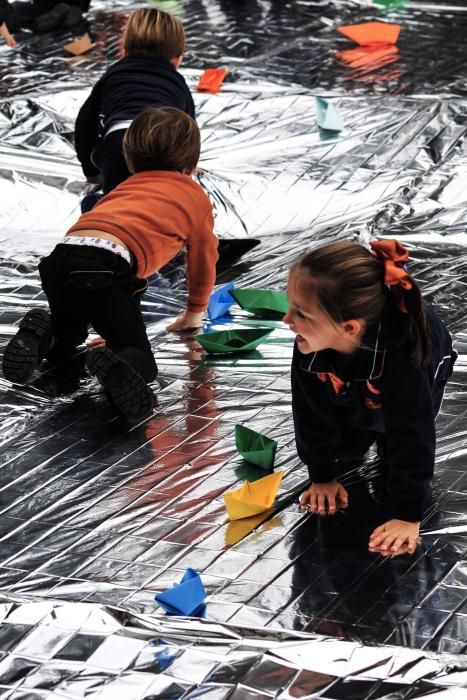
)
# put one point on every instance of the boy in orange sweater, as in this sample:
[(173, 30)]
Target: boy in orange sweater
[(96, 275)]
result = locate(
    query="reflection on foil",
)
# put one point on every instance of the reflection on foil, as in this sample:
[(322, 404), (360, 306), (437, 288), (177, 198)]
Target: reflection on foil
[(93, 514), (74, 650), (368, 57)]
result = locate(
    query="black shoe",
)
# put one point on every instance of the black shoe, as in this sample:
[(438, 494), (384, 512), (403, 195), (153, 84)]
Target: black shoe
[(73, 18), (126, 388), (25, 351), (53, 19)]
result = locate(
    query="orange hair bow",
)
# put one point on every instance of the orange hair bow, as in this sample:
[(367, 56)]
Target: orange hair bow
[(395, 256)]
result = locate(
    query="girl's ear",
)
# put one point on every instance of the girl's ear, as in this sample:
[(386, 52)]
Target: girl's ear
[(353, 328)]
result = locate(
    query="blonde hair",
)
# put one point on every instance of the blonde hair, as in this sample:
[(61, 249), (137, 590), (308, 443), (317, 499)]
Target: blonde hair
[(151, 32)]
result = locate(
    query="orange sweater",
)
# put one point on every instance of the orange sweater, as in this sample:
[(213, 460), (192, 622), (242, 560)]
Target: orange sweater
[(155, 214)]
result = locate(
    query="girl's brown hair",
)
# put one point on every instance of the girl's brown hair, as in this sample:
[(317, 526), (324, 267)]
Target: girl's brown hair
[(151, 32), (347, 281), (162, 138)]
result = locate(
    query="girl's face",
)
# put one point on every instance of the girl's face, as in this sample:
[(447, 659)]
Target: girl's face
[(313, 328)]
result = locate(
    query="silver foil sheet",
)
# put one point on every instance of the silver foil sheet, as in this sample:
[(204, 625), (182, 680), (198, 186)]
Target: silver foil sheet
[(94, 514)]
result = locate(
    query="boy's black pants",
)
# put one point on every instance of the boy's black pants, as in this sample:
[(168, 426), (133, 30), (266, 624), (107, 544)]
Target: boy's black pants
[(86, 286)]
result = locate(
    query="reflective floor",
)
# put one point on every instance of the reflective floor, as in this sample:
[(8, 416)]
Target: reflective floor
[(94, 513)]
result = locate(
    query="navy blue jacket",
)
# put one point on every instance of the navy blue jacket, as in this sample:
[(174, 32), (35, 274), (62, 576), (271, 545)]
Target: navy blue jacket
[(381, 393), (125, 90)]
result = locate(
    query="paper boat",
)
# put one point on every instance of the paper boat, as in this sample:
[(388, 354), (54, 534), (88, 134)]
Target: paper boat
[(240, 340), (327, 115), (253, 498), (184, 598), (259, 301), (371, 33), (211, 80), (255, 447), (220, 301)]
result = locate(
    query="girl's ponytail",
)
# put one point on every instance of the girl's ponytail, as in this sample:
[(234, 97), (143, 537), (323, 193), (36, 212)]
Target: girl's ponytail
[(406, 295)]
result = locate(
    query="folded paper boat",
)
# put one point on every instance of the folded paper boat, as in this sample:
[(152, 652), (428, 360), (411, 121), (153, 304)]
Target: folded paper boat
[(327, 115), (220, 301), (259, 301), (370, 33), (184, 598), (253, 498), (255, 447), (211, 80), (239, 340)]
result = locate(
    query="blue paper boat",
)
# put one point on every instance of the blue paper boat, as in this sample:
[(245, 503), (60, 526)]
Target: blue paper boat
[(220, 301), (184, 598), (327, 115)]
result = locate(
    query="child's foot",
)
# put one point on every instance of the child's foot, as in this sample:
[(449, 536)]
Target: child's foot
[(25, 351), (126, 388)]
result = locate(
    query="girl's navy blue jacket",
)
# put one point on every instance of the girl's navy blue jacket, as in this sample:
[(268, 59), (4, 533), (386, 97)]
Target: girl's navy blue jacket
[(125, 90), (339, 408)]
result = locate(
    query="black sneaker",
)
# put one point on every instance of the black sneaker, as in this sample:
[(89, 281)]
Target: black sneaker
[(28, 348), (53, 19), (73, 19), (126, 388)]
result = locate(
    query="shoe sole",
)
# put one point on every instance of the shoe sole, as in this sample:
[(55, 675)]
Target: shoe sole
[(21, 355), (128, 392)]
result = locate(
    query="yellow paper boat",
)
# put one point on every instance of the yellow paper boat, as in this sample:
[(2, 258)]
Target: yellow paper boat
[(253, 497)]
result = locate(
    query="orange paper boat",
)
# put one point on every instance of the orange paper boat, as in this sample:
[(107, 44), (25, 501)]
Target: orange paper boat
[(79, 46), (211, 80), (371, 33), (253, 497)]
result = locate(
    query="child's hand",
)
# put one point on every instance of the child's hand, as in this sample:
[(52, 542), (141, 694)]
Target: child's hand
[(189, 320), (96, 342), (324, 499), (395, 537)]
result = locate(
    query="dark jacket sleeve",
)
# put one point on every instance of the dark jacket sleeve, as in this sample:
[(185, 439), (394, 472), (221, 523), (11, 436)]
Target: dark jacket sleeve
[(411, 438), (316, 432), (87, 129), (190, 105)]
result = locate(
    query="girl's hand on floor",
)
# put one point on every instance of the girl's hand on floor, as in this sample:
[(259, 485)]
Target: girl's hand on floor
[(325, 499), (395, 537)]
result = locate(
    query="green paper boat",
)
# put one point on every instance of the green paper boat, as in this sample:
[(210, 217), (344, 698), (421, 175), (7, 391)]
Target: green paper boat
[(239, 340), (260, 301), (255, 447)]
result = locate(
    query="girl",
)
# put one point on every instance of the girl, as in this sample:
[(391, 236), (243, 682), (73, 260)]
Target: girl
[(370, 365), (146, 76)]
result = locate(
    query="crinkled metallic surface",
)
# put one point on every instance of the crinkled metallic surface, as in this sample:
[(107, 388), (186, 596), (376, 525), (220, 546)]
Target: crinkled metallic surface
[(63, 650), (95, 514)]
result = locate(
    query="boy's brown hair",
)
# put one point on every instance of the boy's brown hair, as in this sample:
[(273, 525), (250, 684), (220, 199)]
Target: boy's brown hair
[(162, 138), (151, 32)]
